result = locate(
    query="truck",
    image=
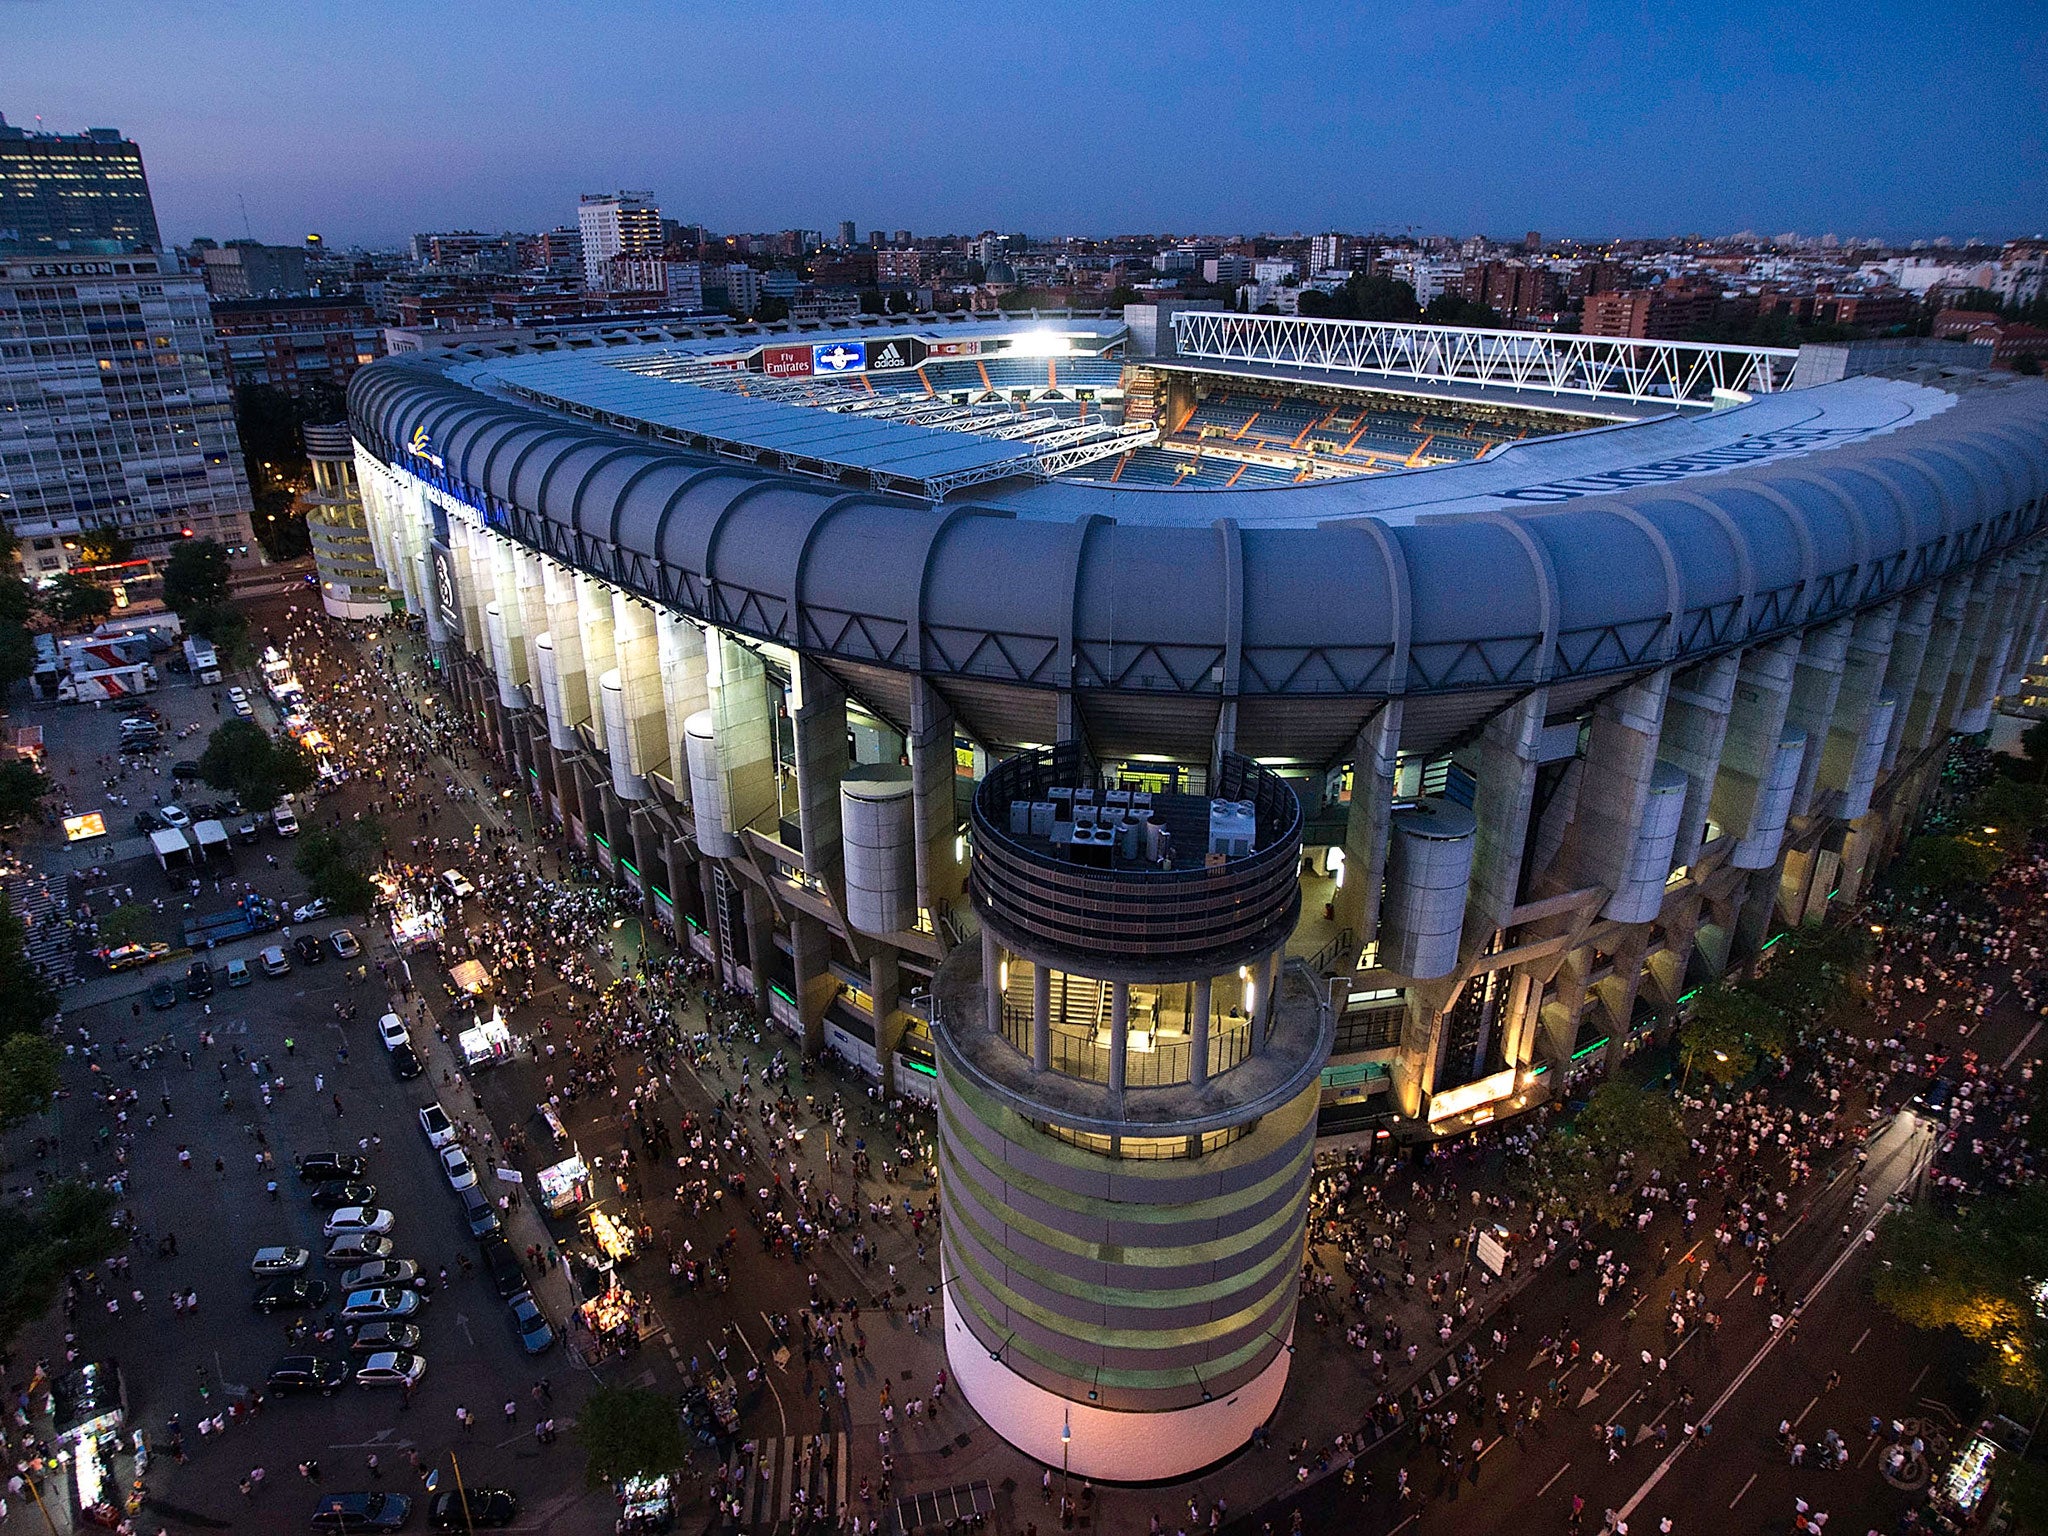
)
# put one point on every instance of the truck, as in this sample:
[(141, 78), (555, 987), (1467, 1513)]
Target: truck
[(201, 660), (252, 914), (174, 851), (161, 630), (91, 653), (95, 687), (213, 841)]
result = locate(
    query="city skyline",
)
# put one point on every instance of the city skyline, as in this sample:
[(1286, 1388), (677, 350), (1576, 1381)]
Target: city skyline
[(1441, 118)]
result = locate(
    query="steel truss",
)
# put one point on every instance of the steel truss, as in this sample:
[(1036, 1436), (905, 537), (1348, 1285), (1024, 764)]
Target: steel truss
[(1661, 372)]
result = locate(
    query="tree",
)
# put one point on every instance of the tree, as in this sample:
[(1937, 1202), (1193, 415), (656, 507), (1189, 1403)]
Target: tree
[(27, 1002), (22, 787), (1585, 1168), (1716, 1040), (1943, 865), (196, 577), (76, 599), (1363, 297), (17, 647), (69, 1228), (337, 861), (2034, 742), (104, 546), (241, 756), (629, 1432), (129, 924), (29, 1077), (226, 626), (1978, 1274)]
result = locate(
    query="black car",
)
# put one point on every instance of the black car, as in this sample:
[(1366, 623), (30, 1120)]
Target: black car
[(487, 1507), (198, 980), (138, 746), (318, 1167), (478, 1211), (309, 1373), (405, 1063), (309, 949), (336, 1193), (147, 820), (362, 1512), (184, 770), (163, 994), (291, 1293), (507, 1274)]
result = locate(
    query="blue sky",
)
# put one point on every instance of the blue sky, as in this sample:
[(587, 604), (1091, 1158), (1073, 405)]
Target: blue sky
[(366, 120)]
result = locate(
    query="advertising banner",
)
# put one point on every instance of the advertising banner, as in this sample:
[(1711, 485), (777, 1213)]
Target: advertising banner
[(839, 357), (786, 362), (956, 348), (896, 352)]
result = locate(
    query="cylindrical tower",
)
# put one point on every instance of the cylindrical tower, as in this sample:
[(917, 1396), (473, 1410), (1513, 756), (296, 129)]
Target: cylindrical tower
[(1127, 1089), (352, 584)]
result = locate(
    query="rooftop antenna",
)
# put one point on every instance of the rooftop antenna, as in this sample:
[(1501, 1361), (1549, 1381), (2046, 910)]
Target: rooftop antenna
[(246, 230)]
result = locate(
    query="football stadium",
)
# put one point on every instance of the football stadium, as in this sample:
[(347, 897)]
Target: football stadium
[(1165, 739)]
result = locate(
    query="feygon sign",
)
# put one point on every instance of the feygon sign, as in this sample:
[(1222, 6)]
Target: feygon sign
[(896, 352)]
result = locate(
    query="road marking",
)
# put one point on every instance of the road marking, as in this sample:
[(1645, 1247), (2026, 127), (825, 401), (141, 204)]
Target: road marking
[(1560, 1472), (2021, 1047), (1867, 1451), (1805, 1411), (1859, 1342), (1484, 1449), (1738, 1285), (1920, 1378), (1404, 1525), (1745, 1488)]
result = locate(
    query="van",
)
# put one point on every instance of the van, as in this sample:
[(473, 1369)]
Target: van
[(239, 974), (284, 821)]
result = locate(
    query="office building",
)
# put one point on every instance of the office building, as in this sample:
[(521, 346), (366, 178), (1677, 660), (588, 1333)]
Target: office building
[(290, 342), (77, 192), (849, 237), (248, 269), (616, 224)]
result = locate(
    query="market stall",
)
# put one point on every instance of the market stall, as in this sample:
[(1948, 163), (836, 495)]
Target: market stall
[(487, 1042), (612, 1318), (614, 1238), (646, 1504), (414, 923), (89, 1406), (470, 977), (564, 1186), (1961, 1489)]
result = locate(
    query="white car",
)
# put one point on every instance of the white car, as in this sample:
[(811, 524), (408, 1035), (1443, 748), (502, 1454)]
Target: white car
[(274, 961), (440, 1131), (391, 1368), (344, 944), (311, 910), (358, 1218), (458, 887), (392, 1031), (175, 816), (278, 1261), (460, 1170)]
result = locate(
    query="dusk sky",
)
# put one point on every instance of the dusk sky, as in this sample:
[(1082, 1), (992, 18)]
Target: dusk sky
[(367, 121)]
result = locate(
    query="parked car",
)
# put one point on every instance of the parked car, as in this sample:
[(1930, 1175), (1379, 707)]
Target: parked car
[(309, 1373), (285, 823), (358, 1247), (460, 1170), (391, 1368), (454, 1509), (239, 974), (380, 1272), (163, 994), (310, 950), (336, 1193), (280, 1260), (358, 1218), (147, 820), (185, 770), (316, 908), (379, 1302), (536, 1335), (434, 1121), (346, 946), (291, 1293), (175, 816), (318, 1167), (372, 1338), (405, 1064), (478, 1211), (456, 885), (362, 1511), (198, 980), (507, 1274), (138, 746), (125, 957), (392, 1031), (274, 962), (246, 830)]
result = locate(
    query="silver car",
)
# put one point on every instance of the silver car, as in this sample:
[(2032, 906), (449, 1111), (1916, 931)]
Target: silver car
[(380, 1272)]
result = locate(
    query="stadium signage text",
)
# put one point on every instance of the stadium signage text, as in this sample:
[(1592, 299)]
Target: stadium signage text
[(956, 349), (897, 352), (1759, 449), (786, 362)]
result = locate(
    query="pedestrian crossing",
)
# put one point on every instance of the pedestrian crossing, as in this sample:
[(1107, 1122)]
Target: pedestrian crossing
[(47, 931), (775, 1469)]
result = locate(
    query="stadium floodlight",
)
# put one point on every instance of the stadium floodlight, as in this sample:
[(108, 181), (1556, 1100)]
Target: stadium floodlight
[(1041, 344)]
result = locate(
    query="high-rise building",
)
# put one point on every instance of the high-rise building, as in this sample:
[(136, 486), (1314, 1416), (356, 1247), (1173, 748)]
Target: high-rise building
[(81, 192), (248, 269), (291, 342), (849, 237), (899, 269), (616, 224), (899, 237), (118, 416), (351, 584)]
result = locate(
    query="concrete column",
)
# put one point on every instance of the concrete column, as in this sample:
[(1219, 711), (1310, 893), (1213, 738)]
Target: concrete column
[(646, 857), (1621, 756), (817, 708), (512, 605), (1864, 661), (884, 985), (810, 956), (469, 578), (941, 872), (1823, 653), (1750, 753), (1924, 714), (1973, 712), (2030, 619), (1979, 601), (600, 655), (1696, 713), (531, 586), (760, 918), (553, 695), (503, 649), (679, 647), (646, 745), (1041, 1017), (1910, 637), (1198, 1033), (1269, 998), (743, 729), (565, 631), (992, 981), (1509, 752), (1119, 1034), (707, 887), (1373, 754)]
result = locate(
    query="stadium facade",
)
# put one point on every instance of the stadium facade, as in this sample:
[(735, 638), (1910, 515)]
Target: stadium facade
[(1158, 758)]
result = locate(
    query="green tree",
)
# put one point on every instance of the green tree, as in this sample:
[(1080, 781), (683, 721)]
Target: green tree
[(1942, 865), (241, 756), (1363, 297), (27, 1002), (22, 787), (104, 546), (76, 599), (227, 627), (70, 1227), (133, 923), (629, 1432), (17, 647), (1716, 1040), (1585, 1168), (1978, 1273), (196, 577), (2034, 742), (337, 862), (29, 1077), (772, 307)]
